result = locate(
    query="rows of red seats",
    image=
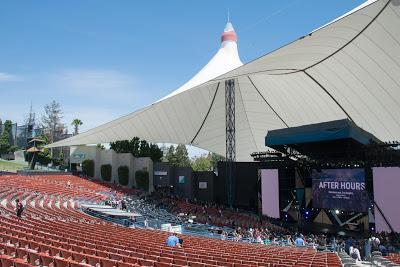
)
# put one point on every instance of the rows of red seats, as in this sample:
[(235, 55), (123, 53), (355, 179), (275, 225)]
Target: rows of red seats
[(243, 220), (55, 233), (395, 257)]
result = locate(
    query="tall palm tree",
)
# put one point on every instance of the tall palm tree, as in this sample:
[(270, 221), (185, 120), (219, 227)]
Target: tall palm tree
[(76, 123)]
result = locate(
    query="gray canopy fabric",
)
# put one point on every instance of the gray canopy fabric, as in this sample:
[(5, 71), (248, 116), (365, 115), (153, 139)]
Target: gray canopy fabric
[(349, 68)]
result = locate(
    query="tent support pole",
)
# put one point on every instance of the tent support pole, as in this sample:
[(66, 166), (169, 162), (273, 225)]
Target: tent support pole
[(230, 138)]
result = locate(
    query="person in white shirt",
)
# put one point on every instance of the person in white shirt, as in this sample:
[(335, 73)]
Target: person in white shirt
[(223, 235), (354, 252), (375, 242)]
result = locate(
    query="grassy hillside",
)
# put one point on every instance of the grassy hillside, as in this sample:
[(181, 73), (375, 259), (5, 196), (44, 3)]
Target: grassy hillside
[(11, 166)]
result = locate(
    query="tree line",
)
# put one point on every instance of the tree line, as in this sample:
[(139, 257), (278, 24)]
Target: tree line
[(52, 128), (177, 156), (7, 138), (138, 148)]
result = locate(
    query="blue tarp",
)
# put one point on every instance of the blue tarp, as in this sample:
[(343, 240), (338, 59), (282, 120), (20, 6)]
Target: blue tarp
[(319, 132)]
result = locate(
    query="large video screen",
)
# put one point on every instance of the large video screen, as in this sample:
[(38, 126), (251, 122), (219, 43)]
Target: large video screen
[(387, 198), (342, 189), (270, 192)]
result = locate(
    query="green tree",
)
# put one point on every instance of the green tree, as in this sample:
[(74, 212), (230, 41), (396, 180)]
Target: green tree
[(134, 146), (12, 149), (88, 167), (61, 158), (164, 150), (144, 149), (106, 171), (170, 155), (6, 137), (138, 148), (202, 163), (76, 123), (123, 175), (100, 146), (155, 153), (214, 160), (44, 157), (142, 179), (181, 156), (51, 119)]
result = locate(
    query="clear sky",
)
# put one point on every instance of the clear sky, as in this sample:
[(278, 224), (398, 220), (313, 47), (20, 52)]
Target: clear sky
[(102, 59)]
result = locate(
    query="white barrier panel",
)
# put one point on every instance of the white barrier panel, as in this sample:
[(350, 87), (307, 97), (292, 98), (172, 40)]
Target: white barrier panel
[(167, 227), (387, 196), (270, 193)]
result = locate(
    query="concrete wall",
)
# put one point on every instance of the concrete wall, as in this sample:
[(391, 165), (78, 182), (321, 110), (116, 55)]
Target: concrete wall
[(206, 178), (167, 175), (162, 174), (184, 189), (19, 156), (106, 157), (126, 159), (109, 156), (144, 164)]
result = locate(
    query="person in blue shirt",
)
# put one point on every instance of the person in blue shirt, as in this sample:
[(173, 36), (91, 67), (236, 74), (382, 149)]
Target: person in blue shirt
[(173, 241), (299, 241)]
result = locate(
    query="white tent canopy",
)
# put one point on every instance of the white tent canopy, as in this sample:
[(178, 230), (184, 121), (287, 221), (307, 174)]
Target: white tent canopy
[(349, 68)]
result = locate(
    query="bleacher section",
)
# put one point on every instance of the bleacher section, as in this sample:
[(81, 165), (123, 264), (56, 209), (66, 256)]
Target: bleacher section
[(394, 258), (240, 219), (54, 232)]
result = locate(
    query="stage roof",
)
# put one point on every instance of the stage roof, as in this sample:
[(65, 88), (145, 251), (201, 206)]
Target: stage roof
[(347, 69), (339, 139), (319, 132)]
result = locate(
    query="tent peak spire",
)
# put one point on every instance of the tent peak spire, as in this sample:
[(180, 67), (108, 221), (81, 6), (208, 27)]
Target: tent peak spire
[(229, 34)]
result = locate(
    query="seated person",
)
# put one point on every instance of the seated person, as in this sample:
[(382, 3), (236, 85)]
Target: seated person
[(173, 241), (383, 250), (300, 241)]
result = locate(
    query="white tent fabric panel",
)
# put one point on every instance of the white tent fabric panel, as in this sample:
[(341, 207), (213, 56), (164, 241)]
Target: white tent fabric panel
[(297, 99), (161, 122), (226, 59), (347, 69), (259, 115), (312, 48), (212, 132), (243, 127)]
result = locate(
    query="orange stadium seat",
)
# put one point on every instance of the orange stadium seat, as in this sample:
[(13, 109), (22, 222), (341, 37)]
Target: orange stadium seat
[(63, 236)]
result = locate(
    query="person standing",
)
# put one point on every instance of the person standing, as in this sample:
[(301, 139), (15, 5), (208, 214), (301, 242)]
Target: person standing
[(18, 208), (354, 252)]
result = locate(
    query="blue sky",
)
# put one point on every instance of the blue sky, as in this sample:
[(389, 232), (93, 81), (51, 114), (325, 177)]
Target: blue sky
[(103, 59)]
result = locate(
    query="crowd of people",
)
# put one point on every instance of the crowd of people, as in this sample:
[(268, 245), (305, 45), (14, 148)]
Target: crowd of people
[(241, 226), (116, 203)]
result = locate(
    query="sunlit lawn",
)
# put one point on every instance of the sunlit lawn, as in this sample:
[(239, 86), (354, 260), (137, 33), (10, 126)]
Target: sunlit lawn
[(11, 166)]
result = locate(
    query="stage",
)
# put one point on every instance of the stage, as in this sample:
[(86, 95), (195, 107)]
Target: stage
[(109, 213)]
